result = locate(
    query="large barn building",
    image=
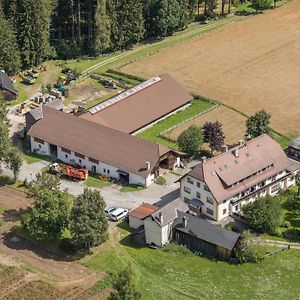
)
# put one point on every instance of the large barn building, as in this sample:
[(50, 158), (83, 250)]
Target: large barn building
[(100, 149), (141, 106)]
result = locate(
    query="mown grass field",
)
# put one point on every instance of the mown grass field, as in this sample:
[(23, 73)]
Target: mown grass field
[(103, 63), (162, 275), (247, 66), (153, 133)]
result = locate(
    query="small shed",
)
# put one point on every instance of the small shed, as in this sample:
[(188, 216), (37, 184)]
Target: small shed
[(138, 215), (200, 235), (294, 149), (7, 90), (36, 114)]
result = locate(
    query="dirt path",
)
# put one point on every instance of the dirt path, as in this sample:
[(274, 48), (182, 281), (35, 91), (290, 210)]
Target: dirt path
[(16, 250)]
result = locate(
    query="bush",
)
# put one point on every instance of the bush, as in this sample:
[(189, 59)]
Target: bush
[(264, 214), (261, 4), (286, 224), (160, 180), (66, 245), (247, 251), (173, 248)]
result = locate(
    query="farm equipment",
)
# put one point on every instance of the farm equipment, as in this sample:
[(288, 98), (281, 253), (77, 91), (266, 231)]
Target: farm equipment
[(55, 169), (76, 174), (28, 79), (72, 172), (33, 74), (108, 83)]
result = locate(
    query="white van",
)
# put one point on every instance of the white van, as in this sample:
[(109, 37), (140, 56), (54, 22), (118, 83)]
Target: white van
[(118, 214)]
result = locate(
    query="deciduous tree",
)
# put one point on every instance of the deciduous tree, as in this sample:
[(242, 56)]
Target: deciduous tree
[(213, 135), (190, 140), (258, 124), (264, 214), (124, 286), (88, 221), (49, 216)]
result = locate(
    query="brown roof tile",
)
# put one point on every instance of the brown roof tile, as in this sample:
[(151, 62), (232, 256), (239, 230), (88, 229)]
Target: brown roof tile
[(143, 211), (144, 107), (227, 175), (115, 148)]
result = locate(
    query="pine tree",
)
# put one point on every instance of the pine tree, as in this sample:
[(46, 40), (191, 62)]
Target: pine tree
[(9, 53), (131, 22), (103, 27), (33, 30)]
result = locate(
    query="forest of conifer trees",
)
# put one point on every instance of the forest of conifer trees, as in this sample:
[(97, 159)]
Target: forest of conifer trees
[(33, 31)]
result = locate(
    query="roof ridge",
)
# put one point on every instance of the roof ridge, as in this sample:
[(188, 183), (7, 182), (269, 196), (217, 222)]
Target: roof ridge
[(102, 126)]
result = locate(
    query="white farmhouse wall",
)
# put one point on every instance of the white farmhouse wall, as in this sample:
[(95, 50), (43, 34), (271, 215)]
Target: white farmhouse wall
[(153, 232), (137, 180), (135, 223), (160, 236), (203, 195), (36, 147)]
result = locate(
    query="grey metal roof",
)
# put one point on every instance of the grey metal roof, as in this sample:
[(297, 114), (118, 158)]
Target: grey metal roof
[(295, 143), (37, 113), (206, 231), (169, 212), (6, 83)]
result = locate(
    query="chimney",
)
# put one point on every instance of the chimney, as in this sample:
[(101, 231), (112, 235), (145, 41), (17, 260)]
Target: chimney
[(241, 142), (236, 152), (184, 221), (147, 165), (161, 218), (226, 148), (204, 158)]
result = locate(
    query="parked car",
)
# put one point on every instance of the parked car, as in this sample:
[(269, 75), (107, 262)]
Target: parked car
[(118, 214), (109, 210)]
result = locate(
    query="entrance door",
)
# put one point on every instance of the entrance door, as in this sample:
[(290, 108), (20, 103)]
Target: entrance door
[(53, 151)]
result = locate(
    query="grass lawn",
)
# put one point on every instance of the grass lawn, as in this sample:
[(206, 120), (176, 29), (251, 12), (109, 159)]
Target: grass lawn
[(162, 275), (95, 182), (153, 133), (132, 188), (103, 63)]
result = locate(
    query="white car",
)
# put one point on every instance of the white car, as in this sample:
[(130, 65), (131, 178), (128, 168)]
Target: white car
[(118, 214), (109, 210)]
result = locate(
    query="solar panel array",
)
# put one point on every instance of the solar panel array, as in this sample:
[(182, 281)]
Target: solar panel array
[(124, 95)]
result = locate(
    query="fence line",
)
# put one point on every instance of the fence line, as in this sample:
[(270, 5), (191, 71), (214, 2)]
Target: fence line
[(187, 120)]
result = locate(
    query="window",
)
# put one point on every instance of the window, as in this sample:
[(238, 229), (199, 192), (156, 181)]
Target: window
[(38, 140), (206, 188), (66, 150), (198, 195), (79, 161), (187, 190), (189, 180), (275, 188), (93, 161), (94, 169), (236, 208), (209, 200), (108, 171), (104, 170), (79, 155), (66, 155), (210, 211), (224, 211), (40, 146), (198, 184)]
